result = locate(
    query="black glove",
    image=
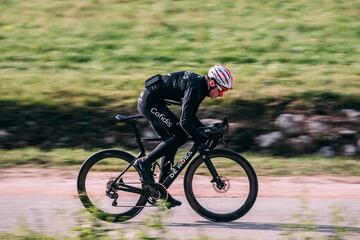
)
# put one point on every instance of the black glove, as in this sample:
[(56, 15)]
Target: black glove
[(208, 130), (212, 132)]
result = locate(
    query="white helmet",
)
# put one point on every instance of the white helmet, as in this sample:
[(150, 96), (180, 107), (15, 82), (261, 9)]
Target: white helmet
[(221, 75)]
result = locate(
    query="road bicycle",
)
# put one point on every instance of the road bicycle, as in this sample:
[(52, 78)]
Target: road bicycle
[(219, 184)]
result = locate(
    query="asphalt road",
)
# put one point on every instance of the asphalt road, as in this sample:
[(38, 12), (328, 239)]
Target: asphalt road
[(45, 200)]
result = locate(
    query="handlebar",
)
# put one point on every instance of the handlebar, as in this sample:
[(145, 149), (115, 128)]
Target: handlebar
[(214, 132), (217, 128)]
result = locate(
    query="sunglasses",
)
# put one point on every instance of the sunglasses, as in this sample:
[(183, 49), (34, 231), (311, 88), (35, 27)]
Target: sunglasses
[(221, 89)]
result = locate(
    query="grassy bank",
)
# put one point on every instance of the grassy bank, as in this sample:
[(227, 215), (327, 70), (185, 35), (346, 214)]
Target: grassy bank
[(67, 67), (64, 52), (264, 165)]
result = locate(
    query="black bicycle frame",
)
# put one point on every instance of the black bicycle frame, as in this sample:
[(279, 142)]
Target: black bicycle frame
[(179, 166), (176, 169)]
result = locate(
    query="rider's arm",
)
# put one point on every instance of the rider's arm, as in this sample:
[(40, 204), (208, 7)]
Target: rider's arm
[(190, 104), (196, 120)]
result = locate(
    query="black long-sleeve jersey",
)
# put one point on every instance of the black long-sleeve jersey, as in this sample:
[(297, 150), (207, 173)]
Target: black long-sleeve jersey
[(189, 90)]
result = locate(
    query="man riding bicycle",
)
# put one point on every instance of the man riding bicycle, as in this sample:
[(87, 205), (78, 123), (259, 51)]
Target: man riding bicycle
[(184, 88)]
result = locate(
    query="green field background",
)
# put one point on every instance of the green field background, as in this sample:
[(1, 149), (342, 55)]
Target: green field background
[(66, 67)]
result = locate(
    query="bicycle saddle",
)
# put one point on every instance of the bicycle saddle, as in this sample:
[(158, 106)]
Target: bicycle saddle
[(124, 118)]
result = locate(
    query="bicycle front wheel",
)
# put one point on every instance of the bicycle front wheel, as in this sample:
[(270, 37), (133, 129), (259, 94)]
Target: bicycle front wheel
[(229, 202), (97, 174)]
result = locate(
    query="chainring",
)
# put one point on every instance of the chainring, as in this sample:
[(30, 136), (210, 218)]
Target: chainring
[(157, 192)]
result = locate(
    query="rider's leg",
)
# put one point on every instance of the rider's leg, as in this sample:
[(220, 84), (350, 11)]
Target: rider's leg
[(164, 122), (166, 148), (168, 160), (180, 138), (165, 165)]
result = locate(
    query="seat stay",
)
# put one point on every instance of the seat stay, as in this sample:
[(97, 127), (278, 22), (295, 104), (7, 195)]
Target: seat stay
[(122, 173)]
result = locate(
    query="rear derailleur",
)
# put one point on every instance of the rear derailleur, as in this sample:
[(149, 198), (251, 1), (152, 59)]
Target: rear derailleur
[(111, 192)]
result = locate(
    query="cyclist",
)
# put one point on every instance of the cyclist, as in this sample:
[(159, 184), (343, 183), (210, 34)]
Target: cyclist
[(184, 88)]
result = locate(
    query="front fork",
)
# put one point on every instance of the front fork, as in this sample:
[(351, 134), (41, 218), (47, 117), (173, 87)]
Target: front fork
[(215, 176)]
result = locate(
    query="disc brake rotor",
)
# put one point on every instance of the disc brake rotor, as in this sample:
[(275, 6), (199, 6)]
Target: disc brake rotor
[(226, 187)]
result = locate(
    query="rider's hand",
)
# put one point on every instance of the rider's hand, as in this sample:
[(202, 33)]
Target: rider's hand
[(217, 127), (211, 131), (212, 134)]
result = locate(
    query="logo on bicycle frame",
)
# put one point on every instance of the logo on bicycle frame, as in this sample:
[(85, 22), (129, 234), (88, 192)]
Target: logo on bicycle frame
[(161, 116), (180, 164)]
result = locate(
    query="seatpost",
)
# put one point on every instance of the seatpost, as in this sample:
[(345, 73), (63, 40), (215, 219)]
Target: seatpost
[(138, 139)]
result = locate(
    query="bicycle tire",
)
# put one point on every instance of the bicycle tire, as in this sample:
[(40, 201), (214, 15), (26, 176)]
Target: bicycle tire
[(84, 196), (194, 201)]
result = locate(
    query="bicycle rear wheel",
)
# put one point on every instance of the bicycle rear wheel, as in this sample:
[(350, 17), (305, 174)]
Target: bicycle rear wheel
[(226, 204), (94, 179)]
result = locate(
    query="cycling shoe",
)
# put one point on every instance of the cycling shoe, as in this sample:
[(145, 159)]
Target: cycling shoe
[(145, 170), (172, 202)]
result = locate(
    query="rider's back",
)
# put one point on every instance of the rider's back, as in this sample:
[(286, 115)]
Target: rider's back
[(174, 86)]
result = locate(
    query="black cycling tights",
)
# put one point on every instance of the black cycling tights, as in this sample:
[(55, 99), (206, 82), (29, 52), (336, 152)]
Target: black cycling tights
[(166, 124)]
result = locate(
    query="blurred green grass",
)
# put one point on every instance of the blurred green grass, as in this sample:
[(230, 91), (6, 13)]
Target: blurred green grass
[(264, 165), (58, 59), (61, 52)]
